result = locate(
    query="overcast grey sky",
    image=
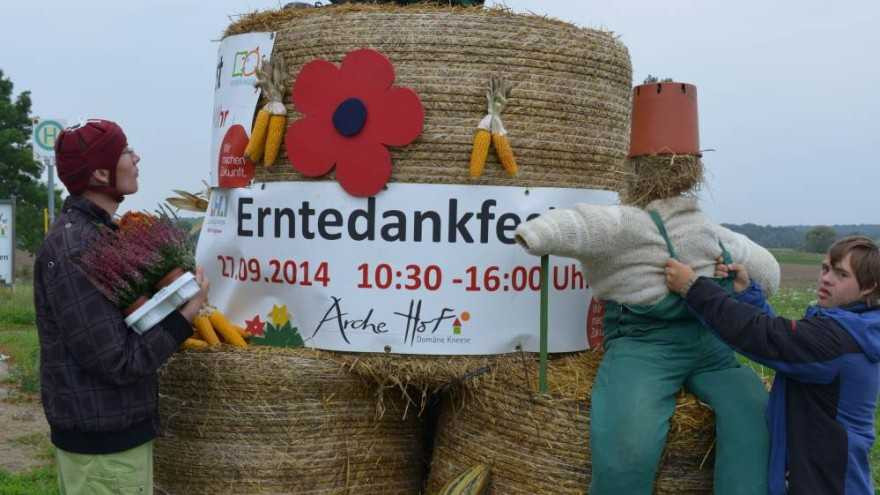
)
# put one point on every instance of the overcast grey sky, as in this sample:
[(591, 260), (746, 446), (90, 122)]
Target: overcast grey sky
[(788, 90)]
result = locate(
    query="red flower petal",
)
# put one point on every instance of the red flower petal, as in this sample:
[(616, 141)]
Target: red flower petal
[(363, 169), (311, 145), (317, 87), (367, 69), (400, 117)]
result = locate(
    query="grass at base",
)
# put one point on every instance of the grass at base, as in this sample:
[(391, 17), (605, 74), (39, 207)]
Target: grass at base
[(17, 305), (23, 346), (39, 481), (18, 336)]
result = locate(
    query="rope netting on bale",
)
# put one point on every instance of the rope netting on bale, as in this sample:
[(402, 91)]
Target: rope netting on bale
[(537, 443), (568, 116), (270, 420)]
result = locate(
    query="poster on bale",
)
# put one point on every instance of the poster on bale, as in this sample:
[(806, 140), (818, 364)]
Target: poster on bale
[(417, 269)]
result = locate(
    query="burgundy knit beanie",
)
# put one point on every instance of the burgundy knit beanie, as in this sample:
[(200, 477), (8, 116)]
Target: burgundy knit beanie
[(82, 149)]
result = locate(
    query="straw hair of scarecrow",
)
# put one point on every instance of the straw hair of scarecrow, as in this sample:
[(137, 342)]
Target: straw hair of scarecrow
[(270, 420)]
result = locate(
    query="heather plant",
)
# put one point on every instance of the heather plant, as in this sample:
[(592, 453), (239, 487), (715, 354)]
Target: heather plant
[(168, 241), (127, 263), (114, 271)]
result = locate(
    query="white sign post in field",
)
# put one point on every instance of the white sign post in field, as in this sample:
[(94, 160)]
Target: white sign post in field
[(7, 241)]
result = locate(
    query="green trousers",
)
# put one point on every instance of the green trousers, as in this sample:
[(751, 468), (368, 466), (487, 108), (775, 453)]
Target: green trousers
[(125, 473), (634, 396)]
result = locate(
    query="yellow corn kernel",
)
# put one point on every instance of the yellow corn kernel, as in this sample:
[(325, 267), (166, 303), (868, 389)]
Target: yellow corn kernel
[(205, 329), (226, 329), (273, 140), (479, 152), (257, 143), (505, 153)]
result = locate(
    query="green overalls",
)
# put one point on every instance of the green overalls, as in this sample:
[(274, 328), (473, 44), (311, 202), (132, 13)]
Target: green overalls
[(651, 351)]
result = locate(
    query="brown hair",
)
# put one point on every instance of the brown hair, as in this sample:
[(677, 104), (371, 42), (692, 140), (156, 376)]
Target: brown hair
[(864, 259)]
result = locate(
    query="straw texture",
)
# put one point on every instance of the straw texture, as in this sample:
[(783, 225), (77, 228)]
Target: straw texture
[(269, 420), (419, 377), (652, 177), (568, 113), (539, 444)]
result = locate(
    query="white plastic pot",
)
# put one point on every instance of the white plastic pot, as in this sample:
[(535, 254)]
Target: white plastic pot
[(163, 303)]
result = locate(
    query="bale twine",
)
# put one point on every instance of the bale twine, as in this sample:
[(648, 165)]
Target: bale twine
[(537, 444), (567, 116), (269, 420)]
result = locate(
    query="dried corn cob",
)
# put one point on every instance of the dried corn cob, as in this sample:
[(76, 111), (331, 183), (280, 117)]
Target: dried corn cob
[(257, 143), (504, 150), (272, 118), (273, 140), (205, 329), (227, 330), (491, 127), (480, 151)]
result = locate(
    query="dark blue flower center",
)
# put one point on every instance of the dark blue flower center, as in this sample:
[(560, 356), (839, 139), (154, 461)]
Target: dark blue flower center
[(350, 117)]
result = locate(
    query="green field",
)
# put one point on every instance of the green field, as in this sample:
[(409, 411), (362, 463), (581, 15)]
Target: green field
[(797, 257)]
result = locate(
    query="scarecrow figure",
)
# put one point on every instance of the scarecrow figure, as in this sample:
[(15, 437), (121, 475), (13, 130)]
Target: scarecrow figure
[(653, 344)]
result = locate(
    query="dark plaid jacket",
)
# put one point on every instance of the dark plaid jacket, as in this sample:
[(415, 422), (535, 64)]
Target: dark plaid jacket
[(99, 381)]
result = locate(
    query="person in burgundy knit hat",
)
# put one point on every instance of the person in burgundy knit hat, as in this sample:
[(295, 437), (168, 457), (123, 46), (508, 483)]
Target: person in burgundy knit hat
[(95, 157), (99, 385)]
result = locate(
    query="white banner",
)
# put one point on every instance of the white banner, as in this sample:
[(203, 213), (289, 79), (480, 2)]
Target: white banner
[(235, 99), (419, 269), (7, 242)]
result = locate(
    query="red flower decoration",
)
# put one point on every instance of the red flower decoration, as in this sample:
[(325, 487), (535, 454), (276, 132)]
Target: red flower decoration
[(351, 113), (255, 326)]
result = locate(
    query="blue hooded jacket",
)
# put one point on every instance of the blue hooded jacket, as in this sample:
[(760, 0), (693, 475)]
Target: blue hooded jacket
[(823, 400)]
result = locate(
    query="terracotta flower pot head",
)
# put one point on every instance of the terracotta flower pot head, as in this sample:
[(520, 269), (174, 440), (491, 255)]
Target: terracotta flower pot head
[(664, 120)]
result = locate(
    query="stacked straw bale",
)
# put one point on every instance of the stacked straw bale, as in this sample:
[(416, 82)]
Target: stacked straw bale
[(273, 421), (539, 444), (568, 114), (269, 420)]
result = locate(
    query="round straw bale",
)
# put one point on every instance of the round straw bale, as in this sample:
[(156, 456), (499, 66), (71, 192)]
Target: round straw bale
[(536, 444), (567, 116), (270, 420)]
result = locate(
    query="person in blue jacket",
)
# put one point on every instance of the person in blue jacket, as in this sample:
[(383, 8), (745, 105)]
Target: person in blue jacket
[(823, 399)]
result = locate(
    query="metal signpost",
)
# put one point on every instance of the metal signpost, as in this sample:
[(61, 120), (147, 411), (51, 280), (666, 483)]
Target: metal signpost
[(45, 133)]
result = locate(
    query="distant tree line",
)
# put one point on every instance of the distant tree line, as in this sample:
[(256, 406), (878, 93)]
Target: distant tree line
[(813, 238)]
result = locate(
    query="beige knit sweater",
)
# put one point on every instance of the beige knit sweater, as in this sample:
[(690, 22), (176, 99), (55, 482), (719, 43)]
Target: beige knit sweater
[(623, 253)]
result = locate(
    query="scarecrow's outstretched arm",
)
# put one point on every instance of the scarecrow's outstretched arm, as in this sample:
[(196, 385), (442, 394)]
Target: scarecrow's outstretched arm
[(582, 232)]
